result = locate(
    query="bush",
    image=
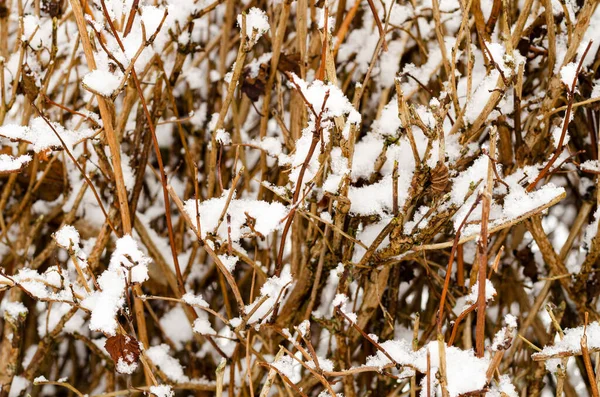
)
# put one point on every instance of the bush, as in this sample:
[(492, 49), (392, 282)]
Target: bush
[(257, 198)]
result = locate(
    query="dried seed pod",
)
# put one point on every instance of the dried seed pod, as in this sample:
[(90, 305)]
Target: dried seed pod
[(439, 178)]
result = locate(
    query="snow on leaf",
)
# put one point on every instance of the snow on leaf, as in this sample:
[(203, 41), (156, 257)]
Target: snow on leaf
[(10, 164), (42, 136)]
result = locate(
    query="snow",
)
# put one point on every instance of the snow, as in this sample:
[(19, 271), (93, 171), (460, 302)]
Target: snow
[(273, 290), (347, 186), (106, 304), (503, 338), (568, 73), (465, 181), (510, 320), (571, 342), (324, 363), (254, 66), (596, 90), (123, 367), (229, 262), (380, 195), (67, 237), (337, 103), (223, 137), (42, 137), (341, 301), (162, 391), (101, 82), (490, 293), (480, 97), (592, 166), (194, 300), (175, 323), (171, 367), (18, 384), (127, 261), (257, 24), (269, 144), (128, 255), (13, 309), (203, 327), (289, 367), (268, 216), (10, 164), (458, 363), (504, 388), (519, 202)]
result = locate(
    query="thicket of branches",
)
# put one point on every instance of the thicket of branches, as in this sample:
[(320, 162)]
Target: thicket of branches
[(277, 197)]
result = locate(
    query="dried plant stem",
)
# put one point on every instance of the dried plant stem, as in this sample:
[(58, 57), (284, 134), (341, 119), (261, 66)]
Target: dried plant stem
[(565, 125), (105, 113), (442, 371), (451, 262), (482, 252), (587, 361)]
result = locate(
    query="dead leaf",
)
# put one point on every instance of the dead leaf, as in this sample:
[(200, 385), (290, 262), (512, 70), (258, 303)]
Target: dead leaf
[(123, 347)]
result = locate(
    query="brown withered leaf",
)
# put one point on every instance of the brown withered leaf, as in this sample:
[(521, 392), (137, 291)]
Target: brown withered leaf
[(14, 164), (28, 85), (53, 184), (54, 8), (123, 347), (289, 63), (527, 261), (254, 85), (3, 9)]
